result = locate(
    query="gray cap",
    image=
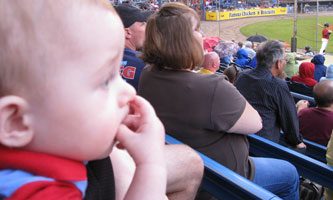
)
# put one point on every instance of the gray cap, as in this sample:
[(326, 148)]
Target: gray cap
[(248, 44)]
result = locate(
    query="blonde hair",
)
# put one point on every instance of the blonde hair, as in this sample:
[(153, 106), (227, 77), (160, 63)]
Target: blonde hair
[(30, 33)]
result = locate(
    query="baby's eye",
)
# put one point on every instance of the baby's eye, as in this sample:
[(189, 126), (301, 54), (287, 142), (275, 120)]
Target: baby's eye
[(106, 83)]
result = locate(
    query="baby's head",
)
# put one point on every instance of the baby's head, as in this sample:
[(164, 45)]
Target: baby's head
[(60, 88)]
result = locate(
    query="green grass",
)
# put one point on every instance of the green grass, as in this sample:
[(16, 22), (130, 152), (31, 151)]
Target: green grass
[(284, 30)]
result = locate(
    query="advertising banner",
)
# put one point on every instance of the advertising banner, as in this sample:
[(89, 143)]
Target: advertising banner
[(215, 16)]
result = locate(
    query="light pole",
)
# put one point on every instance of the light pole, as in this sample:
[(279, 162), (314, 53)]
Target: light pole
[(294, 39), (317, 26)]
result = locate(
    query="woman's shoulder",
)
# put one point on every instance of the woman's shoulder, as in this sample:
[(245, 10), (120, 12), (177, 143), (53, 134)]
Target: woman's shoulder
[(210, 78)]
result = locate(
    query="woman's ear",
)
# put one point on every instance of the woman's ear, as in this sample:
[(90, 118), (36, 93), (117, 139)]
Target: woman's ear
[(15, 122)]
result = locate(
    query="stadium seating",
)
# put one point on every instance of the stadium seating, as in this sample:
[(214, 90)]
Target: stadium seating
[(315, 150), (298, 96), (223, 183), (300, 88), (307, 167), (312, 150)]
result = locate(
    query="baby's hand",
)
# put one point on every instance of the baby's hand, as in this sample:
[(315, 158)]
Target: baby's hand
[(142, 134)]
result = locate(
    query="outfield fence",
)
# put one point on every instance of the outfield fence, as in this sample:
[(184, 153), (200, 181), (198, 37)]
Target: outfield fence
[(218, 16)]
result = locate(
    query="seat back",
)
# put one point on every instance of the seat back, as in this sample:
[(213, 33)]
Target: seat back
[(224, 183), (307, 167), (300, 88)]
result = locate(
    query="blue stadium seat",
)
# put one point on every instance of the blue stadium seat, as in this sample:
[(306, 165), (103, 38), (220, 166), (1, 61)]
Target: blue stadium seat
[(312, 150), (307, 167), (298, 96), (315, 150), (300, 88), (223, 183)]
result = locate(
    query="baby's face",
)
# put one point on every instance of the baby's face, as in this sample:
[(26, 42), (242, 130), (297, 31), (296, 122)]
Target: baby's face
[(86, 99)]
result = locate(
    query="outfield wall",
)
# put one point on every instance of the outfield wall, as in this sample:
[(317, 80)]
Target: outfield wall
[(216, 16)]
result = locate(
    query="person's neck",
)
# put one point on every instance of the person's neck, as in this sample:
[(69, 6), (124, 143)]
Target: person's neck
[(211, 69), (129, 45), (170, 68), (326, 108), (274, 72)]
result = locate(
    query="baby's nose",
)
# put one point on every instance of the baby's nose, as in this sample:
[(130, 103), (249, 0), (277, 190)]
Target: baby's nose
[(127, 94)]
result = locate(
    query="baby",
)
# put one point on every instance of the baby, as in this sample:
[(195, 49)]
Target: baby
[(63, 102)]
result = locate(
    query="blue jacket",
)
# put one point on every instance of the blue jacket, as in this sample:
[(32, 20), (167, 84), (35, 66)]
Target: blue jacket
[(131, 67), (320, 69), (242, 58), (253, 62)]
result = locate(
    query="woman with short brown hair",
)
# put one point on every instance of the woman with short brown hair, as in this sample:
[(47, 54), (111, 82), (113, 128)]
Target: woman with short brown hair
[(204, 111), (165, 47)]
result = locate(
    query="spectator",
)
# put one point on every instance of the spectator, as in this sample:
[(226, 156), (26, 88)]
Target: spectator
[(134, 22), (270, 95), (208, 114), (320, 68), (240, 45), (316, 124), (248, 48), (329, 74), (291, 67), (306, 71), (253, 62), (308, 51), (211, 63), (232, 73), (63, 103), (329, 157), (182, 185), (242, 58)]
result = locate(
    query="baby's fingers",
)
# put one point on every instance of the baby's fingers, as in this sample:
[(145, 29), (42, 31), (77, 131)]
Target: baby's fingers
[(132, 122), (143, 108)]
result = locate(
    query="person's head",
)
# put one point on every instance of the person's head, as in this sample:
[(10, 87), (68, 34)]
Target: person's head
[(242, 54), (270, 55), (323, 93), (307, 48), (61, 91), (291, 58), (240, 44), (232, 73), (306, 70), (326, 25), (329, 74), (248, 44), (318, 59), (173, 38), (134, 21), (211, 61)]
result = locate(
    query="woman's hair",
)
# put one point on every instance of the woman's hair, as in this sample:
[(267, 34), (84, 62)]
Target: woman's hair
[(169, 38), (232, 73)]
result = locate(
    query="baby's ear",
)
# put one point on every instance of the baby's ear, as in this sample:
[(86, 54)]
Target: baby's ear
[(15, 123)]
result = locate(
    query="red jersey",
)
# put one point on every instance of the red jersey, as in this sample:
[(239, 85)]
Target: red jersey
[(325, 33)]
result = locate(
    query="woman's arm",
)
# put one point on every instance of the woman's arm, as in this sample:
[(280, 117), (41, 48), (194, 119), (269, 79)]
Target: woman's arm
[(248, 123)]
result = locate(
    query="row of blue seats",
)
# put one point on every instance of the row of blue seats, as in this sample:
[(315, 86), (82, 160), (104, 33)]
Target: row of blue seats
[(224, 183), (307, 167)]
